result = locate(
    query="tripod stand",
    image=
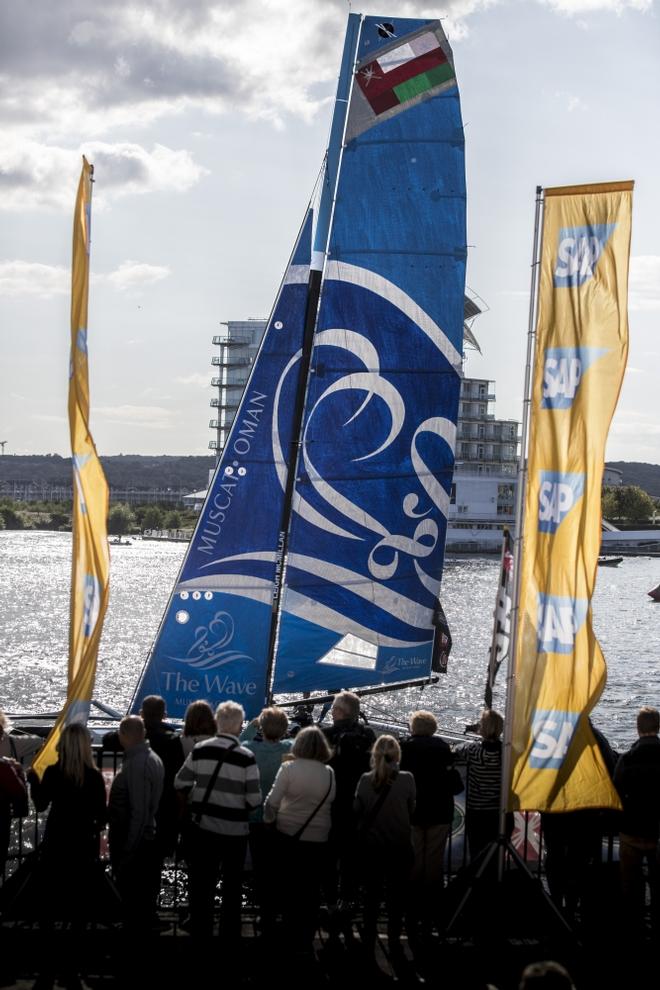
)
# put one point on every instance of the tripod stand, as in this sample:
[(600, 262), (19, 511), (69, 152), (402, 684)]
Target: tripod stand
[(529, 892)]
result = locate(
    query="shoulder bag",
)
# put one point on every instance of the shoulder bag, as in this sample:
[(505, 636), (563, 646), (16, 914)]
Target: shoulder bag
[(297, 835), (200, 806)]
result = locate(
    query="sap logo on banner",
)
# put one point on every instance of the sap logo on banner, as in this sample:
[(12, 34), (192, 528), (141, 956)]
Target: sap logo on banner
[(558, 494), (559, 619), (552, 732), (563, 370), (578, 252)]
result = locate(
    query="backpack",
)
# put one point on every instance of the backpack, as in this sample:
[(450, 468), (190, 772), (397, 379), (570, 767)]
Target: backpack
[(13, 788)]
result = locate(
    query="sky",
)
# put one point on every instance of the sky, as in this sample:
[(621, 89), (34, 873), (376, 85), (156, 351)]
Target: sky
[(207, 122)]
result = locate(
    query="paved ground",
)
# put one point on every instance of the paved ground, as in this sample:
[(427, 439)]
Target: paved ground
[(107, 958)]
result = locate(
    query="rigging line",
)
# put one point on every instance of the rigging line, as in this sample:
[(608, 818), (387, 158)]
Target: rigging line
[(220, 465)]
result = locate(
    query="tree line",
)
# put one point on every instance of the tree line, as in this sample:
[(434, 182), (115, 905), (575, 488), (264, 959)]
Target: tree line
[(123, 519)]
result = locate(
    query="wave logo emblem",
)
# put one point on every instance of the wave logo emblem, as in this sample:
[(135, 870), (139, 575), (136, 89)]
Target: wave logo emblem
[(559, 620), (558, 493), (578, 252), (211, 646), (552, 732), (563, 371), (396, 663)]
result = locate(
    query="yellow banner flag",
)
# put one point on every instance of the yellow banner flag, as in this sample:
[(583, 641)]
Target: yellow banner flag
[(91, 563), (581, 351)]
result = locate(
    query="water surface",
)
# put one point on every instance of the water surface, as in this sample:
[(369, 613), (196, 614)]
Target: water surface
[(34, 606)]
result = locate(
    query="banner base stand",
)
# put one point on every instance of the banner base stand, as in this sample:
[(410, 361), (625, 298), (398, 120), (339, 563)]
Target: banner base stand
[(511, 903)]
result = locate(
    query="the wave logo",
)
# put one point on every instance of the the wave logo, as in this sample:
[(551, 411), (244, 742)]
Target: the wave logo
[(211, 646), (578, 252), (559, 620), (552, 732), (558, 493), (563, 370), (396, 663)]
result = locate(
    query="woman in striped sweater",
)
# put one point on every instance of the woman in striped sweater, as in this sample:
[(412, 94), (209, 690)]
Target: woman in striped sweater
[(483, 760)]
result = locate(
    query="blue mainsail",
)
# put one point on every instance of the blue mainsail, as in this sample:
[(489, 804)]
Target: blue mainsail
[(366, 542), (320, 545), (214, 638)]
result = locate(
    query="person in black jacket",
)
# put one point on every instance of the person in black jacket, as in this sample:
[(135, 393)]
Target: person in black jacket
[(637, 779), (430, 760), (573, 849)]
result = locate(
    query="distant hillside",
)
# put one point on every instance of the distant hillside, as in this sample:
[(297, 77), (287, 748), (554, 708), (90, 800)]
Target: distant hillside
[(122, 471), (142, 472), (646, 476)]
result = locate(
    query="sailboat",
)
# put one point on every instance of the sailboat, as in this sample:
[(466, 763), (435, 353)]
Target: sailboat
[(317, 559)]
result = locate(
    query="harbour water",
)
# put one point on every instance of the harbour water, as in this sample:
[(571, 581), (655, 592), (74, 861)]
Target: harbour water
[(34, 606)]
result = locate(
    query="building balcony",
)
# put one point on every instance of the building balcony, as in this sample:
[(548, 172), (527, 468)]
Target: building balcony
[(225, 361), (486, 457), (232, 340), (475, 395), (226, 403), (215, 445), (236, 383), (465, 467)]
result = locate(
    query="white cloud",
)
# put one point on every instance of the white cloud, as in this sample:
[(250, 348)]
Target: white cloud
[(571, 101), (639, 425), (28, 278), (149, 417), (644, 286), (572, 7), (34, 175), (49, 418), (117, 64), (134, 275), (203, 381)]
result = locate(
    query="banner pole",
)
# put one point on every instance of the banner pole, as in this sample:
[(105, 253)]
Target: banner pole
[(493, 666), (517, 544)]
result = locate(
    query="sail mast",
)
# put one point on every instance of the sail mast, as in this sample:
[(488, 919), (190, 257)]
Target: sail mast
[(319, 252)]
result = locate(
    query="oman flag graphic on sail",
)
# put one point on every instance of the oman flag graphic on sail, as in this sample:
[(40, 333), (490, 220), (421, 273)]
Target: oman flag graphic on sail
[(404, 72)]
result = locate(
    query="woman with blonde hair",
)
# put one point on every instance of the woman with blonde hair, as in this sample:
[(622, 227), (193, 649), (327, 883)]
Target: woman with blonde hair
[(75, 791), (67, 882), (384, 805)]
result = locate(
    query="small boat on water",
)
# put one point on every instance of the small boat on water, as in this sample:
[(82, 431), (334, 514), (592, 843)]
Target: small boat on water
[(655, 593), (609, 561), (118, 542)]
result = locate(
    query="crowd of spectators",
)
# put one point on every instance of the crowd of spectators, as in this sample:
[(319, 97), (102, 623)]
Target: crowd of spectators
[(347, 817)]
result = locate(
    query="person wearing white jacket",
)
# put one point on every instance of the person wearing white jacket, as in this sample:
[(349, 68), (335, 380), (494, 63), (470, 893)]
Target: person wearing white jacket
[(299, 805)]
